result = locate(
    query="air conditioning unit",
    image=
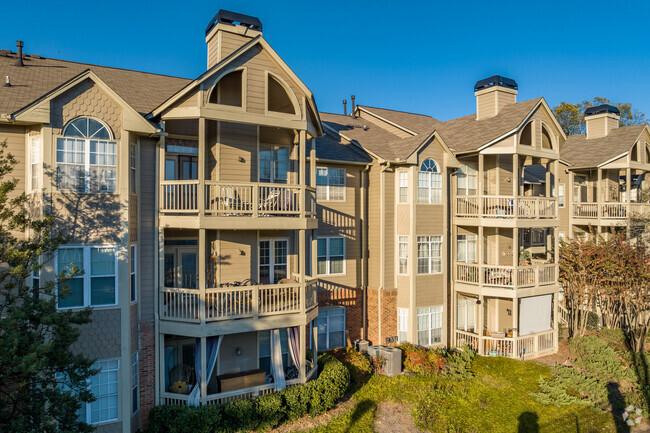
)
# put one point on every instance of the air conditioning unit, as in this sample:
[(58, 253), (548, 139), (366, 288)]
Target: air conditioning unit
[(374, 350), (362, 345), (393, 357)]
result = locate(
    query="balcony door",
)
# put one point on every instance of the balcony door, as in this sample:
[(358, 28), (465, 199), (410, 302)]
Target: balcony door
[(273, 262), (181, 267), (274, 164), (181, 167)]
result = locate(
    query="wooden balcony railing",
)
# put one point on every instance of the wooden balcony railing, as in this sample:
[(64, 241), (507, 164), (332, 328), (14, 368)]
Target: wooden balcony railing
[(531, 345), (237, 198), (609, 210), (509, 277), (505, 207), (226, 303)]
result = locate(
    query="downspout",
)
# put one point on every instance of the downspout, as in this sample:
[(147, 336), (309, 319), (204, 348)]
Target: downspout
[(382, 240), (364, 241)]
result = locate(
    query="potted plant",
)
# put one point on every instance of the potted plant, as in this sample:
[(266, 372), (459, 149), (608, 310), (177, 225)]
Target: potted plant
[(524, 257)]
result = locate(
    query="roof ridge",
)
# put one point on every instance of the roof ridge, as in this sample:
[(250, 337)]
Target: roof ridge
[(104, 66), (397, 111)]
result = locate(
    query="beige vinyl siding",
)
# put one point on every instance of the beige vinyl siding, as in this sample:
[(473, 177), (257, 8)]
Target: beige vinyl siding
[(230, 42), (390, 247), (374, 224), (505, 173), (232, 265), (238, 141), (343, 219), (486, 105), (147, 251), (133, 198), (16, 145)]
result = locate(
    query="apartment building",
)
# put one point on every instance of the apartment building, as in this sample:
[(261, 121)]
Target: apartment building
[(603, 180), (190, 208), (462, 224)]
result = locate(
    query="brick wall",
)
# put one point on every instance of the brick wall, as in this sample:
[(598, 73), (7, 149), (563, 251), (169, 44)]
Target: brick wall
[(351, 299), (388, 315), (147, 370)]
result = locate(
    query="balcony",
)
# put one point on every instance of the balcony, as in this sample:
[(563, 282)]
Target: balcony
[(525, 346), (232, 205), (503, 208), (240, 302), (608, 211), (507, 277)]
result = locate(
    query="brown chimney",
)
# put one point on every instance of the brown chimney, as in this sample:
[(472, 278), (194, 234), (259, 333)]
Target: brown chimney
[(345, 107), (352, 97), (19, 49), (600, 120), (492, 94)]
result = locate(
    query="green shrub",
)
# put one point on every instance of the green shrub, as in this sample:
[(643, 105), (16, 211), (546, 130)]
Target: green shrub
[(263, 413), (459, 363), (593, 321), (358, 364)]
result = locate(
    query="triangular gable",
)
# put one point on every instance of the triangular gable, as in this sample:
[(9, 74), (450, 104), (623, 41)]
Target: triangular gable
[(39, 110), (430, 138)]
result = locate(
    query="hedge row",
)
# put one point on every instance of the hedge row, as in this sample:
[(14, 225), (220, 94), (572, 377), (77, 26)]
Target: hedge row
[(263, 413)]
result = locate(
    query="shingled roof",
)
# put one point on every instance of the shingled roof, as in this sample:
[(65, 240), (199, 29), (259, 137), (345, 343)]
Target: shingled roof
[(417, 123), (337, 149), (466, 133), (143, 91), (582, 152)]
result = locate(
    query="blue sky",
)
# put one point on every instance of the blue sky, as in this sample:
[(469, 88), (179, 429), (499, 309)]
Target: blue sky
[(421, 57)]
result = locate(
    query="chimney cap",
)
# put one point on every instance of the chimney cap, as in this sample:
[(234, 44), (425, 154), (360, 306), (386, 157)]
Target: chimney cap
[(600, 109), (234, 18), (495, 80)]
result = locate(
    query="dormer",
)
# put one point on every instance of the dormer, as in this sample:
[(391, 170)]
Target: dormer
[(492, 94), (228, 31)]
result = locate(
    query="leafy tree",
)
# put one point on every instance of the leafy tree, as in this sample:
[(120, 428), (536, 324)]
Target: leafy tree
[(572, 116), (42, 383)]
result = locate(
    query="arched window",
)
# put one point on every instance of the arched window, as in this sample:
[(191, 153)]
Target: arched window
[(647, 153), (86, 157), (526, 136), (634, 153), (228, 91), (547, 143), (278, 99), (429, 183)]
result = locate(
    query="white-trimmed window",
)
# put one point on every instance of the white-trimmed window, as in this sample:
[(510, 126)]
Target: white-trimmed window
[(402, 324), (274, 164), (560, 195), (135, 383), (133, 275), (36, 163), (430, 325), (133, 173), (403, 247), (403, 187), (331, 327), (330, 184), (466, 248), (467, 179), (86, 157), (104, 386), (466, 315), (97, 286), (429, 183), (273, 260), (429, 254), (331, 256)]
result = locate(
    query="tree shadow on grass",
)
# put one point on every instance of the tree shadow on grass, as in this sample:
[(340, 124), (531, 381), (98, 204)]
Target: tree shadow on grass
[(360, 410), (528, 423), (617, 404)]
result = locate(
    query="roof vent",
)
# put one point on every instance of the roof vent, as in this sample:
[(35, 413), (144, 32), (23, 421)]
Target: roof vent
[(602, 109), (19, 55), (234, 18), (495, 80)]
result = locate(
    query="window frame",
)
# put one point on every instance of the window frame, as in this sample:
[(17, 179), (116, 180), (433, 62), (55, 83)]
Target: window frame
[(133, 169), (328, 256), (401, 240), (133, 273), (434, 195), (465, 177), (325, 345), (327, 186), (467, 238), (402, 324), (430, 241), (35, 159), (561, 195), (434, 312), (135, 382), (88, 406), (403, 187), (274, 164), (87, 275), (272, 263)]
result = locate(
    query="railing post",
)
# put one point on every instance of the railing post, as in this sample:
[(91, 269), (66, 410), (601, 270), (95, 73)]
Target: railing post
[(256, 198), (537, 268), (256, 302)]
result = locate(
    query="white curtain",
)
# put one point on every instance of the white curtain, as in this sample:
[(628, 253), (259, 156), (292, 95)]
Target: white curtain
[(212, 348), (276, 361), (293, 335), (535, 314)]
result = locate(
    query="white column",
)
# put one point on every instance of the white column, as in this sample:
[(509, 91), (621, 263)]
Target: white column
[(200, 189)]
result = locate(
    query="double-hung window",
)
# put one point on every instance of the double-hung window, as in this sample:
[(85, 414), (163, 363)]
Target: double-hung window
[(430, 325), (331, 256), (330, 184), (466, 314), (274, 164), (133, 280), (467, 179), (429, 183), (133, 179), (96, 283), (331, 327), (86, 157), (403, 245), (466, 248), (135, 383), (560, 195), (36, 162), (403, 187), (429, 254), (402, 322)]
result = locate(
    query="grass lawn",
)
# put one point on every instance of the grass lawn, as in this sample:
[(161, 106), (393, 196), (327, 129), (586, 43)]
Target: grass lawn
[(496, 399)]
